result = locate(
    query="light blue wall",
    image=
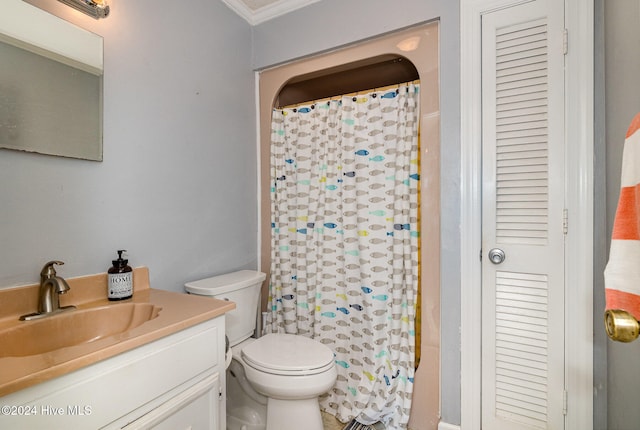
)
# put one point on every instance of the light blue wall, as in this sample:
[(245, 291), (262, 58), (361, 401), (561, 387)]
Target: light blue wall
[(329, 24), (177, 187)]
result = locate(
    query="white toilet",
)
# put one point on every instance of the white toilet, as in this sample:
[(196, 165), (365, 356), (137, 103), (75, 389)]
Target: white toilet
[(273, 382)]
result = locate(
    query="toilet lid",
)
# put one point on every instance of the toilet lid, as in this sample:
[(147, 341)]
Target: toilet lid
[(288, 354)]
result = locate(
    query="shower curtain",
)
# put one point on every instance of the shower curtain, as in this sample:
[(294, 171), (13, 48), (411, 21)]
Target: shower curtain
[(344, 263)]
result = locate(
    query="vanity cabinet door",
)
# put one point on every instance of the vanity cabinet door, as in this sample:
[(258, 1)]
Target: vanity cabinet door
[(196, 408)]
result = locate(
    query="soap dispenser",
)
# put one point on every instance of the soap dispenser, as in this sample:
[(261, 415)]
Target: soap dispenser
[(120, 279)]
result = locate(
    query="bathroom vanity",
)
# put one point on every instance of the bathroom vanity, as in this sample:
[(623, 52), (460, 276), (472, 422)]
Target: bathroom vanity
[(167, 372)]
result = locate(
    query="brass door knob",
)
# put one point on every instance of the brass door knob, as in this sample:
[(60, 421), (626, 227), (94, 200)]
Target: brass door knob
[(621, 325)]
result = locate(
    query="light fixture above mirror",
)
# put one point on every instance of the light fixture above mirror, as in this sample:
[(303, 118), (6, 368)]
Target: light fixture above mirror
[(94, 8)]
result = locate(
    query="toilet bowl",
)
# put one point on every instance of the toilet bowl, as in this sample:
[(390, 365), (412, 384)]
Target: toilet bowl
[(291, 371), (273, 382), (246, 408)]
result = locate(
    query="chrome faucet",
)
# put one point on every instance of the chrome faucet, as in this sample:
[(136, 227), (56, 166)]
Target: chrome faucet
[(51, 286)]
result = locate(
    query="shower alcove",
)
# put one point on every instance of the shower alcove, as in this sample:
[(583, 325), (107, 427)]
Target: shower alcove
[(397, 57)]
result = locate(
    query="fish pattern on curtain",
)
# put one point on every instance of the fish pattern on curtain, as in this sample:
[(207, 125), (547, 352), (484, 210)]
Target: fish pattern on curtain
[(344, 213)]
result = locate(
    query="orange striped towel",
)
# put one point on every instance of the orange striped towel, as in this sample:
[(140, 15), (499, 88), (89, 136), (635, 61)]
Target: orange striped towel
[(622, 274)]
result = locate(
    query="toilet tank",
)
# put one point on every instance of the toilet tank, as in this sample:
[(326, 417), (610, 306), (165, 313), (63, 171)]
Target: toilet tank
[(242, 288)]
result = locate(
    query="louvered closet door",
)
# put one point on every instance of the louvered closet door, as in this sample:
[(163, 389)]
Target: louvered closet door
[(523, 195)]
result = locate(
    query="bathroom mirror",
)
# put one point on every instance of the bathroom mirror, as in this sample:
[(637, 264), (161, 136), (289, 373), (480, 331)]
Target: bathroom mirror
[(50, 84)]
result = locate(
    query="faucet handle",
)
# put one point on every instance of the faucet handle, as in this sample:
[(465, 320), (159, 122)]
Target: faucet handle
[(48, 270)]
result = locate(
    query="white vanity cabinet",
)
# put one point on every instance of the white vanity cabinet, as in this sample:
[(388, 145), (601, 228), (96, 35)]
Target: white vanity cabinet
[(176, 382)]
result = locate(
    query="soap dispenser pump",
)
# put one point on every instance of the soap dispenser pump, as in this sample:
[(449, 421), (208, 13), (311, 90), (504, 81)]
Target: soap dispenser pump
[(120, 286)]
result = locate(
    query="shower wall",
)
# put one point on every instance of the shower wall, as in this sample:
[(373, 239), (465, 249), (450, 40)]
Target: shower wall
[(419, 45), (325, 26)]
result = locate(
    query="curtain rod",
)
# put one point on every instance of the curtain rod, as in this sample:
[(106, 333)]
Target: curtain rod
[(357, 93)]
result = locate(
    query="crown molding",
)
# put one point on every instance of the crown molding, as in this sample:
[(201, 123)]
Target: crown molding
[(265, 13)]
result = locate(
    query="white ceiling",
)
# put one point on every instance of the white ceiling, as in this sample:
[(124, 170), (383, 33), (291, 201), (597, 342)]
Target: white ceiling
[(257, 11)]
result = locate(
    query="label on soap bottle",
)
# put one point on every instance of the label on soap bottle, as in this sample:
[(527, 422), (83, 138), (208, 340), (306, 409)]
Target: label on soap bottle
[(120, 285)]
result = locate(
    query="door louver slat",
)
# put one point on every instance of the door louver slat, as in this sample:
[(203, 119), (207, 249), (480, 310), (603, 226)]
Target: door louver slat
[(521, 56), (521, 343)]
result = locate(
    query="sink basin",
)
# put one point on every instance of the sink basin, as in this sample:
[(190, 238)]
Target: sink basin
[(73, 328)]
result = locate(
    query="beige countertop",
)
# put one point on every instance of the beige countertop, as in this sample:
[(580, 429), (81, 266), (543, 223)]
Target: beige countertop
[(179, 311)]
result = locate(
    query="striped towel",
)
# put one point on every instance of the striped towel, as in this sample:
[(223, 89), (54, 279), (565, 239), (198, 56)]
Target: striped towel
[(622, 274)]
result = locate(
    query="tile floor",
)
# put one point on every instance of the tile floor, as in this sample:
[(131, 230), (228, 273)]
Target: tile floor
[(330, 422)]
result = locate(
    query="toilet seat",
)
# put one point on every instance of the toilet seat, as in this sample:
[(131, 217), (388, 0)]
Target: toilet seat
[(287, 354)]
